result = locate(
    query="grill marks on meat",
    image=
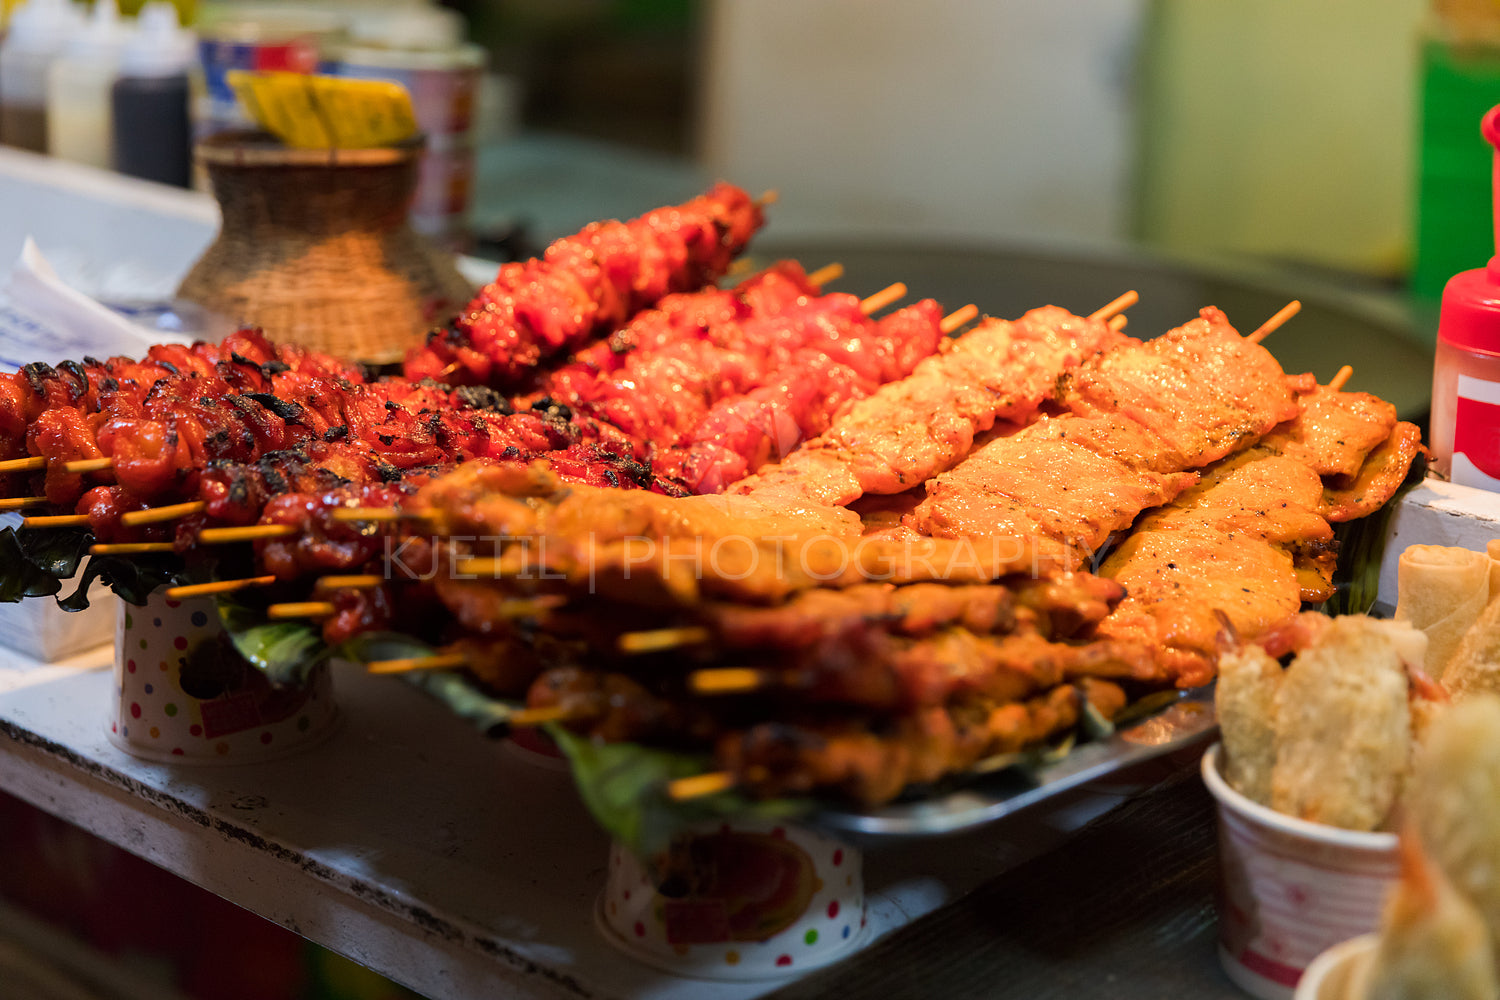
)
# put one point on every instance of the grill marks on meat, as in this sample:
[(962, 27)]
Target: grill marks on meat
[(1260, 520), (1139, 419), (914, 428), (1049, 482), (1335, 432), (586, 285)]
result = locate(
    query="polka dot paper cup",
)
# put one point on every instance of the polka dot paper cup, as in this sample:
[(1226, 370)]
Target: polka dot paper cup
[(1289, 889), (752, 900), (185, 694)]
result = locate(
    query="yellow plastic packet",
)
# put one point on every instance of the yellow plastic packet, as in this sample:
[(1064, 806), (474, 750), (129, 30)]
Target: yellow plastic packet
[(326, 112)]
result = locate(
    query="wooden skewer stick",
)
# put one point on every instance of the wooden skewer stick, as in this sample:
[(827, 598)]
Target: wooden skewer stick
[(882, 298), (1273, 324), (249, 533), (530, 607), (130, 548), (768, 198), (826, 275), (450, 370), (537, 716), (489, 567), (16, 503), (442, 661), (700, 785), (1338, 382), (378, 514), (363, 581), (958, 318), (55, 521), (1118, 323), (656, 640), (156, 515), (1118, 305), (729, 680), (300, 609), (38, 462), (217, 587)]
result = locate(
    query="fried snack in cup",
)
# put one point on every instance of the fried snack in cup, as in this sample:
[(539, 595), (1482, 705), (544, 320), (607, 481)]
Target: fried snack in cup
[(1442, 590), (1343, 724), (1245, 701)]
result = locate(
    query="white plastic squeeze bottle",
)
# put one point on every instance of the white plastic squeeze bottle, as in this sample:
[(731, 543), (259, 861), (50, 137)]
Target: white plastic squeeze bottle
[(38, 31), (78, 85)]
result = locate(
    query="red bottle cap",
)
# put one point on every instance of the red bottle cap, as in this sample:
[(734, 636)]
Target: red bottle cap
[(1470, 318)]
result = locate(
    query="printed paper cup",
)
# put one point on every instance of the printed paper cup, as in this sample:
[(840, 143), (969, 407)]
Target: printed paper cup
[(1337, 974), (742, 901), (184, 694), (1290, 889)]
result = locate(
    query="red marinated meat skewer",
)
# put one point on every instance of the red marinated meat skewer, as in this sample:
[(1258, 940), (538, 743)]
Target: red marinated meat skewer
[(799, 400), (910, 430), (586, 285), (682, 315)]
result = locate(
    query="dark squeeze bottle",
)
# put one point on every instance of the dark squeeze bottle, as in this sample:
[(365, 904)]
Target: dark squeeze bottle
[(152, 134), (149, 100)]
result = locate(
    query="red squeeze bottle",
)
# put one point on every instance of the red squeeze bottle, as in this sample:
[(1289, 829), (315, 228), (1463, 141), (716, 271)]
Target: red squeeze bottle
[(1466, 368)]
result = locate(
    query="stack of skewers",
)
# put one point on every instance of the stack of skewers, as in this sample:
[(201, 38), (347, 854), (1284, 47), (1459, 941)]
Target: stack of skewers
[(840, 554)]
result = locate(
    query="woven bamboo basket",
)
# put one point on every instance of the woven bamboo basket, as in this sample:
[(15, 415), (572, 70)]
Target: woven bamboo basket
[(315, 247)]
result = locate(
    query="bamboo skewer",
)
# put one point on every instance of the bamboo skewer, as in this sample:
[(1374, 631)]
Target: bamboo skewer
[(249, 533), (1273, 324), (958, 318), (300, 609), (89, 465), (882, 298), (442, 661), (1338, 382), (155, 515), (16, 503), (538, 716), (217, 587), (660, 639), (488, 567), (37, 463), (130, 548), (1117, 305), (363, 581), (729, 680), (826, 275), (700, 785), (378, 514), (1118, 323), (55, 521)]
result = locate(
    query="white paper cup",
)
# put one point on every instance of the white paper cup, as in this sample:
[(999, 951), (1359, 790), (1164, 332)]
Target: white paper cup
[(752, 900), (1290, 889), (1336, 974), (185, 695)]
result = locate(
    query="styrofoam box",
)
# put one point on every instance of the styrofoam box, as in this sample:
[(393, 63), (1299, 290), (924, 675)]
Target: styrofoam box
[(1438, 513), (45, 632)]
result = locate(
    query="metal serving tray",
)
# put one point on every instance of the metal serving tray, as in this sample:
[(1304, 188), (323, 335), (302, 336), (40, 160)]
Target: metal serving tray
[(1188, 721)]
